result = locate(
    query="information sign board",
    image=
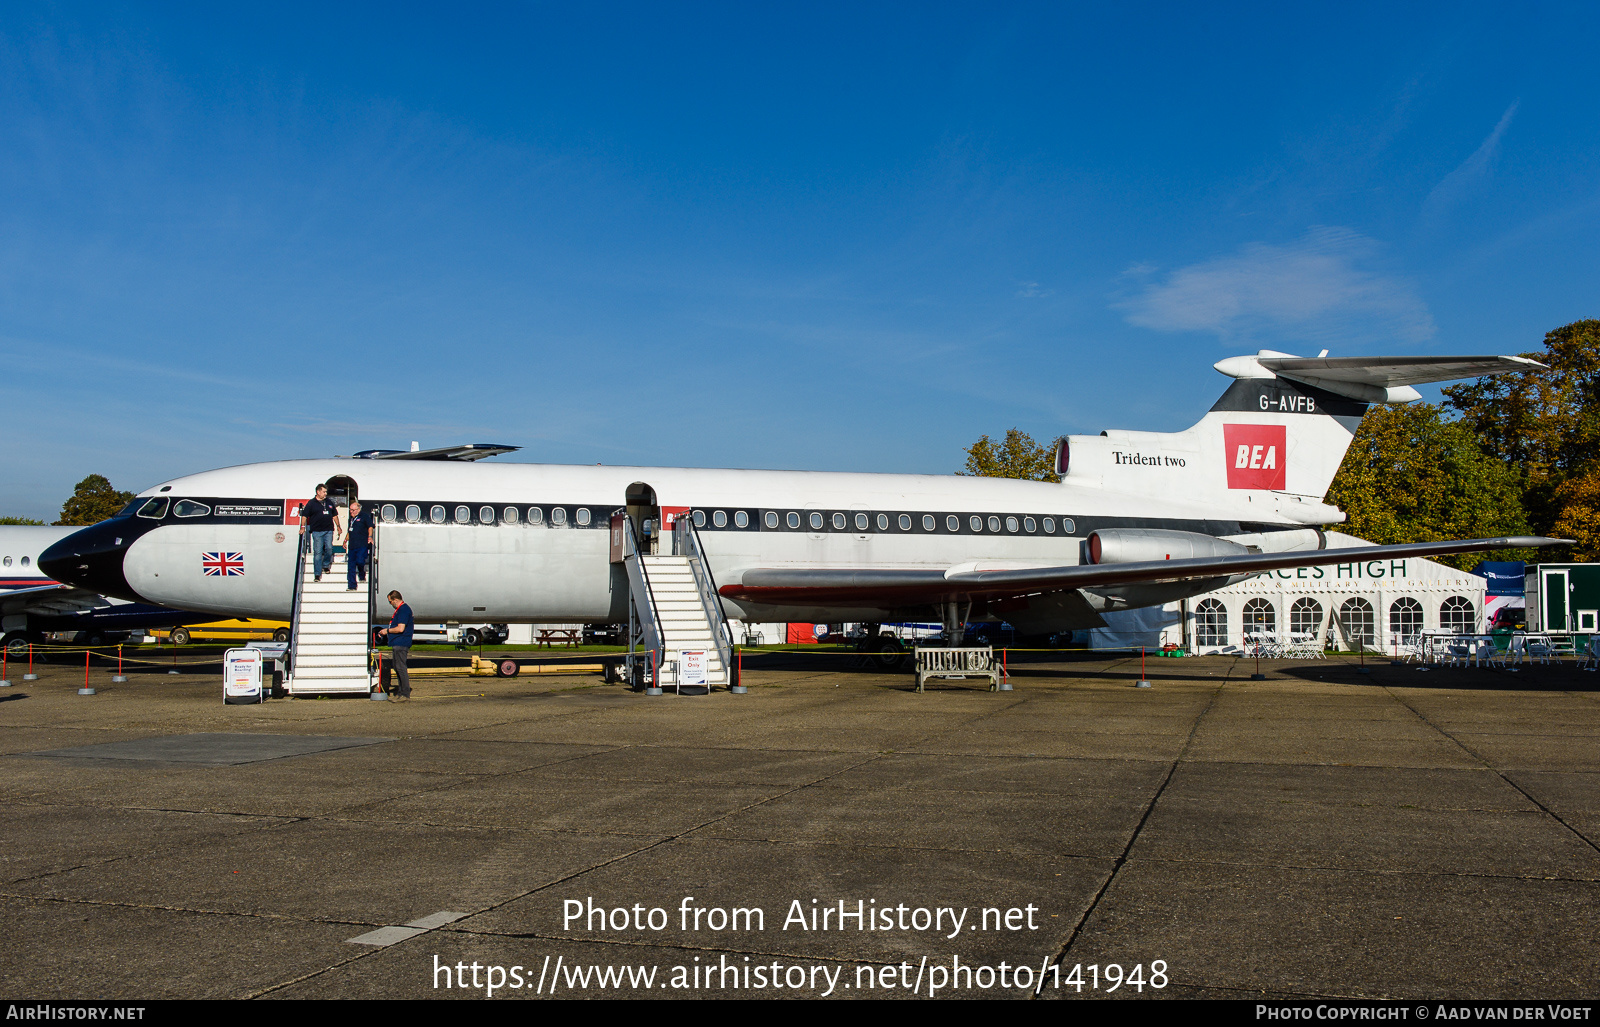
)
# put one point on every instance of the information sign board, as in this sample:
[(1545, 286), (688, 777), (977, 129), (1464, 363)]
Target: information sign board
[(241, 676)]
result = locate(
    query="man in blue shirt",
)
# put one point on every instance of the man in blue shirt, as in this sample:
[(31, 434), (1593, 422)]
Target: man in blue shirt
[(399, 635), (317, 517), (357, 544)]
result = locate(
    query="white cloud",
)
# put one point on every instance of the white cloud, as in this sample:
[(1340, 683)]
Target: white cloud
[(1470, 173), (1314, 289)]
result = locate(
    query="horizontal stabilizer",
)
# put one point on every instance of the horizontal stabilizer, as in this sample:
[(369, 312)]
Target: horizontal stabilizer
[(806, 586), (1388, 372)]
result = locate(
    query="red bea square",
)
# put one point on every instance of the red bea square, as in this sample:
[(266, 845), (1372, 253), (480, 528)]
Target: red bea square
[(1255, 455)]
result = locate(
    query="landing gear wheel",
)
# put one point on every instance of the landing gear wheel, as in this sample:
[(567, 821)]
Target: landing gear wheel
[(507, 668), (471, 636), (179, 636), (281, 635), (887, 654), (16, 643)]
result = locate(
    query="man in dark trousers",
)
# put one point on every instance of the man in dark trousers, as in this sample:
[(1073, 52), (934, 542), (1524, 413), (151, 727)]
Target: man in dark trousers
[(319, 518), (357, 544), (399, 635)]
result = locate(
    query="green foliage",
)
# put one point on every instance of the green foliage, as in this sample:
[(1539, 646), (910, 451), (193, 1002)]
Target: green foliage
[(19, 520), (1412, 476), (1018, 456), (93, 501), (1544, 424)]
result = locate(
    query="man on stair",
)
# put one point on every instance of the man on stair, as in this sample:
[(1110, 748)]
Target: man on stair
[(317, 517)]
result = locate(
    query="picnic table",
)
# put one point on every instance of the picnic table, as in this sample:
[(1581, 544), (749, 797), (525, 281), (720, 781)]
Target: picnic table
[(558, 636)]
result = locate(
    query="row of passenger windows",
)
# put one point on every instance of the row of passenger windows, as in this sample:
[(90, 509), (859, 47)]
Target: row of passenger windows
[(6, 562), (794, 520), (439, 514), (862, 521), (1357, 618)]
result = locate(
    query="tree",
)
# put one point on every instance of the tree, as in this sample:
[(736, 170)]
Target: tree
[(1579, 501), (1410, 475), (19, 520), (93, 501), (1017, 457), (1544, 424)]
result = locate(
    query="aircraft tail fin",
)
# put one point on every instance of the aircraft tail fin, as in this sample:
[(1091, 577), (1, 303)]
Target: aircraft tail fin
[(1275, 438)]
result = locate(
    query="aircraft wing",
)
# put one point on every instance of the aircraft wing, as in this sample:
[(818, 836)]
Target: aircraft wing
[(1392, 372), (53, 598), (828, 586)]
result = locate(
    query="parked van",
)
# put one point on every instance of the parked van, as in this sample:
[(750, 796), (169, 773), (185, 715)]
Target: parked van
[(240, 630)]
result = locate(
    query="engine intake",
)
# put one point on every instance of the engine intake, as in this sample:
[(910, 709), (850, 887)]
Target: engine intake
[(1139, 545)]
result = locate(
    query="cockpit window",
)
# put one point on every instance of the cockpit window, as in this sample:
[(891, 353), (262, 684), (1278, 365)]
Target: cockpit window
[(154, 508), (128, 510), (189, 508)]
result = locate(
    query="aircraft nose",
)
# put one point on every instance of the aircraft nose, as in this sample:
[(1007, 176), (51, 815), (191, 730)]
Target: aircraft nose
[(92, 559)]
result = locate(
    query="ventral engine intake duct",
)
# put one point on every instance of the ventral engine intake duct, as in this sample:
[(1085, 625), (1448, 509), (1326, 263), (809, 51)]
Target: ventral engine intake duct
[(1141, 545)]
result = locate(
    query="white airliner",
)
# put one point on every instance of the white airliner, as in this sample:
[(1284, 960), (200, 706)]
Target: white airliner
[(1139, 518)]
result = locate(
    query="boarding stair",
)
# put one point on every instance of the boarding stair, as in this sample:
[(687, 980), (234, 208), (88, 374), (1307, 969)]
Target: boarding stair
[(674, 609), (330, 640)]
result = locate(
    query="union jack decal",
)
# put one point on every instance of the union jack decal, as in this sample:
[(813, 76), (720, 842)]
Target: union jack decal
[(223, 565)]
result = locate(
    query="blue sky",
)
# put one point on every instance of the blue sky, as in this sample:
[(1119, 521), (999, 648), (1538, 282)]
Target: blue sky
[(850, 237)]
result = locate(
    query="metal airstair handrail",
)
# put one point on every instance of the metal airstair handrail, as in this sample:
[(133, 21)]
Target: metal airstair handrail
[(630, 549), (294, 603), (372, 590), (687, 542)]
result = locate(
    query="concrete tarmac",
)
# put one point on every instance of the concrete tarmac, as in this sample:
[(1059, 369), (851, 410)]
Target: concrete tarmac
[(1403, 833)]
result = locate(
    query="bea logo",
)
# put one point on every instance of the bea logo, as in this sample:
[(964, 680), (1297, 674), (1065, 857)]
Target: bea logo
[(1255, 455)]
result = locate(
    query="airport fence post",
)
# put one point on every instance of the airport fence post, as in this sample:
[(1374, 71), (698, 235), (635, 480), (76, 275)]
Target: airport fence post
[(86, 690), (174, 669), (30, 676), (119, 676), (5, 653), (1258, 676), (1143, 681)]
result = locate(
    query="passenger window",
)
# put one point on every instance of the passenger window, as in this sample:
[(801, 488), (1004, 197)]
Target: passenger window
[(464, 514), (155, 508), (976, 522), (26, 561), (771, 519), (905, 522), (583, 517), (699, 518), (1067, 525), (883, 522), (816, 521), (558, 516), (719, 519), (952, 523), (413, 513), (387, 513), (485, 514), (741, 519), (1029, 524), (510, 515), (1050, 525), (6, 561), (436, 514), (838, 522), (189, 508), (794, 519), (862, 524), (535, 516)]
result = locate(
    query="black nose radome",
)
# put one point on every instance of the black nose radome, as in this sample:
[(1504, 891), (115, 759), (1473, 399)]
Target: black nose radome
[(92, 559)]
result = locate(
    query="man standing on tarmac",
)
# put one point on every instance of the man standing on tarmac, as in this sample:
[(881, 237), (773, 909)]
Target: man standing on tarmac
[(357, 544), (399, 635), (318, 517)]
